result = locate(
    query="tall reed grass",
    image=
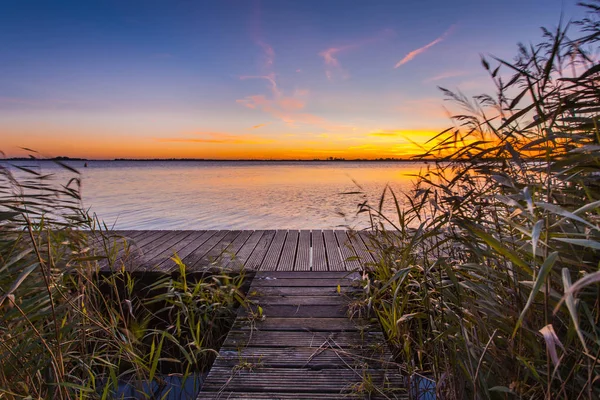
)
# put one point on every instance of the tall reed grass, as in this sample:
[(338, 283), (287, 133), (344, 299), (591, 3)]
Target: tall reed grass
[(488, 282), (68, 331)]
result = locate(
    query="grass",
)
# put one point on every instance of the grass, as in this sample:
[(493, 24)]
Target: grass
[(68, 331), (487, 281)]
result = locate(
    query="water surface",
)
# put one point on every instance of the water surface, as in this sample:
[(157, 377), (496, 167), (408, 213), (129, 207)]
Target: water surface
[(234, 195)]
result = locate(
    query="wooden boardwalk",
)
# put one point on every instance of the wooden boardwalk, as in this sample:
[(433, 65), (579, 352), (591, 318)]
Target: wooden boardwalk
[(297, 342), (270, 250)]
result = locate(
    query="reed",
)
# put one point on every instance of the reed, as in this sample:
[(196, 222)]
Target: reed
[(486, 279), (68, 331)]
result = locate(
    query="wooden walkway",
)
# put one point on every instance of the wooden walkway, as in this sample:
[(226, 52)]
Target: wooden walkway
[(297, 342), (272, 250)]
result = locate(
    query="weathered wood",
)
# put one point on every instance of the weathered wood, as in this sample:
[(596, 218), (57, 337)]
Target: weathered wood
[(319, 257), (303, 253), (216, 252), (159, 243), (299, 300), (303, 291), (354, 339), (323, 356), (272, 257), (294, 324), (288, 254), (133, 249), (309, 281), (297, 311), (258, 255), (145, 261), (244, 252), (184, 248), (334, 260), (302, 274), (348, 254), (299, 380), (364, 256), (195, 256), (225, 394), (230, 253)]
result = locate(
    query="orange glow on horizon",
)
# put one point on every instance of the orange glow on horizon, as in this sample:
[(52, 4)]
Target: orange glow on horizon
[(217, 145)]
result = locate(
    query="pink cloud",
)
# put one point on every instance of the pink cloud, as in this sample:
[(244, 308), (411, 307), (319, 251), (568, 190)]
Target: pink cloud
[(423, 49), (446, 75), (333, 65)]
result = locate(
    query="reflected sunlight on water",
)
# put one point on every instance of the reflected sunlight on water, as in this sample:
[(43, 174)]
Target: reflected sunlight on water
[(233, 195)]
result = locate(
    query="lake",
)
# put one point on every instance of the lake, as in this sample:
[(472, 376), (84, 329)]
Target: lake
[(234, 194)]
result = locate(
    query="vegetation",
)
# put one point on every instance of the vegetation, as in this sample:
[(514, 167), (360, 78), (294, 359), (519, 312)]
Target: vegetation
[(488, 281), (68, 331)]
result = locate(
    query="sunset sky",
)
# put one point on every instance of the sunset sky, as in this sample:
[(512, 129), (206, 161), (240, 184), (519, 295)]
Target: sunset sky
[(246, 79)]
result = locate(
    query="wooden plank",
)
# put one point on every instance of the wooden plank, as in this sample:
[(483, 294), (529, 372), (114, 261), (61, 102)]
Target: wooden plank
[(303, 254), (156, 247), (295, 324), (324, 356), (225, 394), (298, 379), (216, 252), (153, 258), (302, 291), (348, 254), (300, 300), (133, 249), (302, 274), (288, 254), (272, 257), (232, 250), (319, 257), (244, 251), (260, 250), (334, 260), (191, 259), (297, 311), (361, 251), (186, 247), (241, 338), (260, 282)]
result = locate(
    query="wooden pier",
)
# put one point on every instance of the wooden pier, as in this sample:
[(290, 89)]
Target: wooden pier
[(296, 341), (304, 335), (270, 250)]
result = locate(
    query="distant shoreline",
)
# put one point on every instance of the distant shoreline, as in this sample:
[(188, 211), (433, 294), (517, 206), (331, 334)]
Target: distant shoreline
[(62, 159)]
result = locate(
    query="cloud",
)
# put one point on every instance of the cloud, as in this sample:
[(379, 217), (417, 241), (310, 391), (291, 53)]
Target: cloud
[(269, 54), (423, 49), (218, 138), (332, 64), (260, 125), (269, 78), (446, 75)]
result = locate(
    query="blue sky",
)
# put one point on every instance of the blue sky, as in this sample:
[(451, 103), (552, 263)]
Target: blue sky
[(250, 79)]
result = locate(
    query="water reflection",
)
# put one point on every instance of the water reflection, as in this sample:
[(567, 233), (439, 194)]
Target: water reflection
[(234, 195)]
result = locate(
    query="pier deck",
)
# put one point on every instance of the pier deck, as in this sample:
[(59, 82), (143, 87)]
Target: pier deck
[(269, 250), (301, 344), (303, 336)]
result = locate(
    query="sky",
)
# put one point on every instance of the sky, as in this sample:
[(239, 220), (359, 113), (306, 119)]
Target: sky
[(231, 79)]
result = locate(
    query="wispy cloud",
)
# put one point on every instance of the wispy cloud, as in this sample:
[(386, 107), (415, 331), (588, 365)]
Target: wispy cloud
[(260, 125), (423, 49), (218, 138), (446, 75), (333, 66)]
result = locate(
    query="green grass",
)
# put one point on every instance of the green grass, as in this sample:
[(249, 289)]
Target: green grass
[(488, 280), (68, 331)]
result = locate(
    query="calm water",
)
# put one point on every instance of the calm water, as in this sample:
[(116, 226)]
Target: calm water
[(233, 195)]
